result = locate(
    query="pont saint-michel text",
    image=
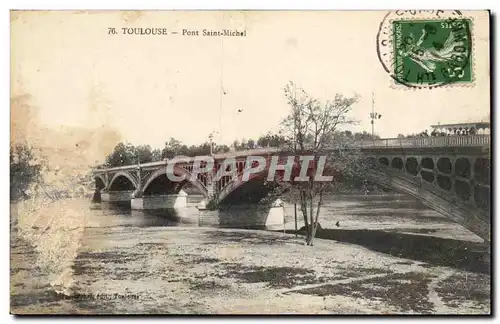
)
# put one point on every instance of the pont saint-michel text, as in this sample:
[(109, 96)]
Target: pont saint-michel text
[(160, 31)]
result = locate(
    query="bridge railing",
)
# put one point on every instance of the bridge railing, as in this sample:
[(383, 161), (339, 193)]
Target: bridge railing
[(408, 142), (438, 141)]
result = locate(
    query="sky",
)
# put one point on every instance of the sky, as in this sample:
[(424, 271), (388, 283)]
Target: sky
[(150, 88)]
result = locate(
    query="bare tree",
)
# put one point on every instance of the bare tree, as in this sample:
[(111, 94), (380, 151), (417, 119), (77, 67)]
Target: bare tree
[(313, 128)]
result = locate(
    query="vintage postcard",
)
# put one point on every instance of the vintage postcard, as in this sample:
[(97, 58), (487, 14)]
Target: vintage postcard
[(250, 162)]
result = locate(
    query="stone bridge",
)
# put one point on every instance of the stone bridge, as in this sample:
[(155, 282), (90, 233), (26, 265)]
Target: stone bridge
[(450, 174)]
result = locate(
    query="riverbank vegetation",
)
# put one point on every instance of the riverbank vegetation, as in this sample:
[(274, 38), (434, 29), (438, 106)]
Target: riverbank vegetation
[(31, 175), (126, 153), (25, 170)]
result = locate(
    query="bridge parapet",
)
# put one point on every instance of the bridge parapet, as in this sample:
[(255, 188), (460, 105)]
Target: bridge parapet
[(407, 142), (431, 141)]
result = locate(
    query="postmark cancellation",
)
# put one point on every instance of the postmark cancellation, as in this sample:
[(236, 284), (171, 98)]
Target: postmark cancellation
[(427, 49)]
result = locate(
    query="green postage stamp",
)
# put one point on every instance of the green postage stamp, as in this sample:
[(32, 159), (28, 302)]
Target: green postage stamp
[(427, 48), (430, 52)]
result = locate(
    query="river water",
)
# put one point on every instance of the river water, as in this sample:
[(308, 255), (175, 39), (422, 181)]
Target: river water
[(56, 247)]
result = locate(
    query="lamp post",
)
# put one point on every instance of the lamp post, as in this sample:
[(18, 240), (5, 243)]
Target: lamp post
[(211, 138), (374, 115)]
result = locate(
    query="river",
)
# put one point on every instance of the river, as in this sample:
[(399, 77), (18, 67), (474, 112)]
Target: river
[(78, 257)]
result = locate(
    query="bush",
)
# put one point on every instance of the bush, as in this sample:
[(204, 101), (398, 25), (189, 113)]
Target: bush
[(24, 171)]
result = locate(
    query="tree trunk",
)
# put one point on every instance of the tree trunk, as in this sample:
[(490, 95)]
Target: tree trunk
[(310, 212), (303, 207), (311, 219), (315, 225)]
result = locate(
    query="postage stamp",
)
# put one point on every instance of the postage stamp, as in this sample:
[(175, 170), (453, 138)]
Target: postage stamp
[(427, 49), (431, 52)]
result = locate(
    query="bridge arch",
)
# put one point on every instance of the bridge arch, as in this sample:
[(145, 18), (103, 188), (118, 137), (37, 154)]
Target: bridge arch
[(236, 183), (435, 198), (122, 181), (100, 182), (257, 184), (409, 177), (179, 172)]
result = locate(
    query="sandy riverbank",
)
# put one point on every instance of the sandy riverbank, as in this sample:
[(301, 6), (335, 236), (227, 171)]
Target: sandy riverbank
[(218, 271)]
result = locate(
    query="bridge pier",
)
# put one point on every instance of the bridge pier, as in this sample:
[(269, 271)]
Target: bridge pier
[(270, 217), (116, 196), (176, 201)]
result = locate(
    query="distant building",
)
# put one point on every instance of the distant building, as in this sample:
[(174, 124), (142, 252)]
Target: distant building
[(462, 128)]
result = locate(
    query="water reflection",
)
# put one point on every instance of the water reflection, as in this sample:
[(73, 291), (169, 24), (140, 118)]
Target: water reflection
[(350, 210), (112, 214)]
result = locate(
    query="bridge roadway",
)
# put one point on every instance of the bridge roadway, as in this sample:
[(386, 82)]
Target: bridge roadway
[(450, 174)]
